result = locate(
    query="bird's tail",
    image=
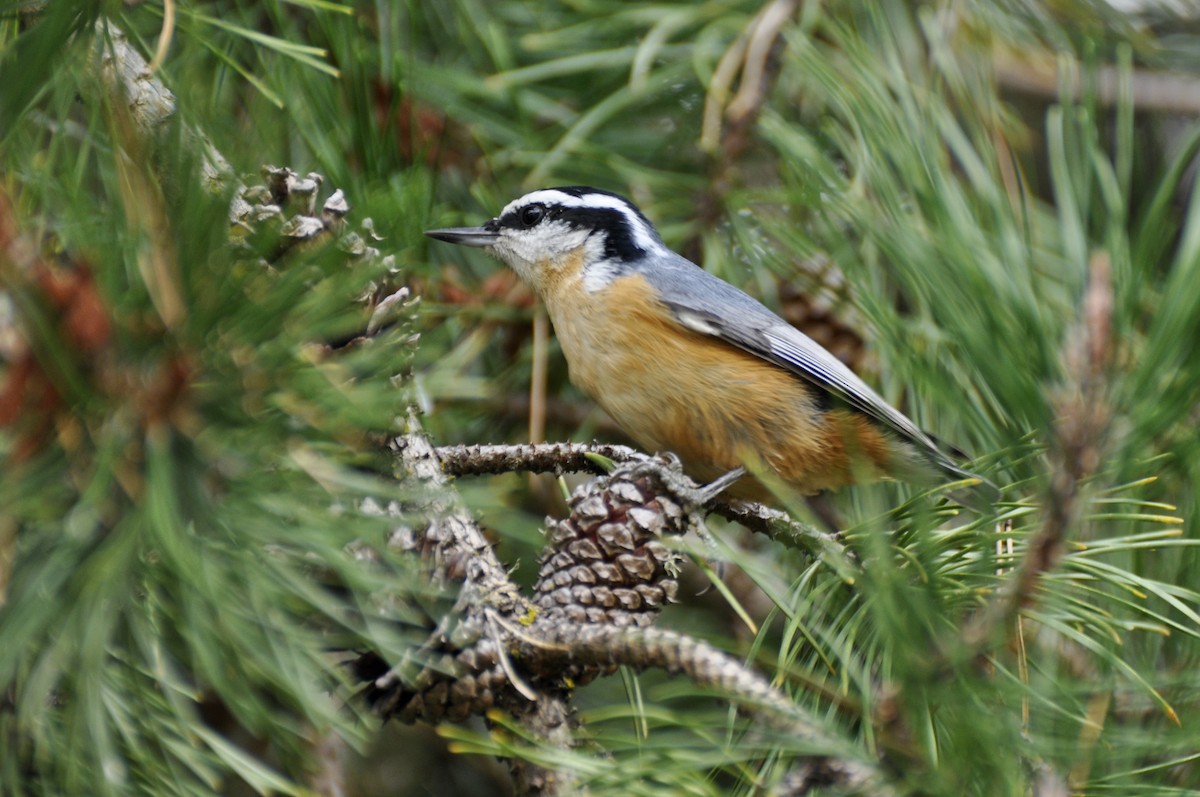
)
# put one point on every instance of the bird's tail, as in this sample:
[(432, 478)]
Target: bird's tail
[(932, 465)]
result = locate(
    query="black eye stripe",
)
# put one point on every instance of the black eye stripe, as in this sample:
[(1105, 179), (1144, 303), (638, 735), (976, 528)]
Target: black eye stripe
[(517, 218), (618, 235), (619, 239)]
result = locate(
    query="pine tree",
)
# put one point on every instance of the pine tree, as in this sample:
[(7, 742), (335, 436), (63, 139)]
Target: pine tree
[(230, 395)]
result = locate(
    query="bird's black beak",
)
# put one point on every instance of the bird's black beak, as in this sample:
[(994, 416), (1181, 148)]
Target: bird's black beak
[(466, 236)]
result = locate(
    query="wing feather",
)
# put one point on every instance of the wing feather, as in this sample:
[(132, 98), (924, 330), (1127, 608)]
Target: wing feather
[(694, 296)]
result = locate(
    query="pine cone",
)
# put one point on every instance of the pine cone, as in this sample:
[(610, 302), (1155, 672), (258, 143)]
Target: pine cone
[(259, 224), (605, 562), (452, 686)]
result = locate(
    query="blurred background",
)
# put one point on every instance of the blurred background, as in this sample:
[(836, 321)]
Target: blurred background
[(926, 188)]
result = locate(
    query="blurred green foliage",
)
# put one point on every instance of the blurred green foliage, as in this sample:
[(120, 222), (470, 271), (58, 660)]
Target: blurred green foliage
[(162, 569)]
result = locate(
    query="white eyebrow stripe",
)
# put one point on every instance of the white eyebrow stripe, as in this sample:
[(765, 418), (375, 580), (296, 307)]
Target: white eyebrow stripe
[(643, 235)]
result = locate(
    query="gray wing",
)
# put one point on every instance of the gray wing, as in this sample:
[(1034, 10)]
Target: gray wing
[(693, 294)]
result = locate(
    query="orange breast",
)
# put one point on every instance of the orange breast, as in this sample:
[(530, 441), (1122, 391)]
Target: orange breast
[(712, 404)]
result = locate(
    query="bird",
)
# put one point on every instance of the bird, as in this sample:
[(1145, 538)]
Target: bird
[(686, 363)]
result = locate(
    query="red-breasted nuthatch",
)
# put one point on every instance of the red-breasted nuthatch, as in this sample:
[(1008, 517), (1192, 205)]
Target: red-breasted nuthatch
[(685, 362)]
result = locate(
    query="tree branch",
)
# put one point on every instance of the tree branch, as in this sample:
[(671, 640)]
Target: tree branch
[(148, 100), (604, 577), (559, 458)]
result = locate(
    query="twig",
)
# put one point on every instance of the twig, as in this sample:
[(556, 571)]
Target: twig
[(547, 647), (537, 377), (165, 36), (1148, 90), (751, 52), (755, 72), (148, 100), (550, 646), (559, 458)]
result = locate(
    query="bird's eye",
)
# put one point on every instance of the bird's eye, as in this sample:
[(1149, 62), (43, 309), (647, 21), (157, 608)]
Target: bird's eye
[(532, 214)]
